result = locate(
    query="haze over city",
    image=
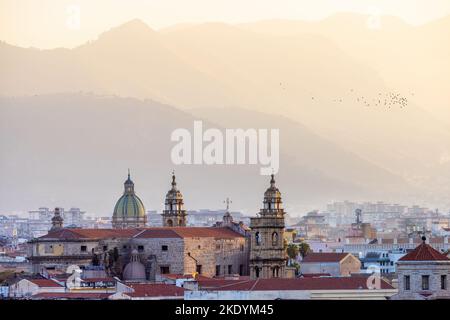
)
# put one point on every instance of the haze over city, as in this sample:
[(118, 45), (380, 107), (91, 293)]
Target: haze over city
[(252, 153), (356, 122)]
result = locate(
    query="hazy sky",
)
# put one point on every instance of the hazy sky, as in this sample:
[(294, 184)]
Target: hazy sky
[(53, 23)]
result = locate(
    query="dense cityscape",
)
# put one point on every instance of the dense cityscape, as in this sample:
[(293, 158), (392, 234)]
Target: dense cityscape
[(348, 250)]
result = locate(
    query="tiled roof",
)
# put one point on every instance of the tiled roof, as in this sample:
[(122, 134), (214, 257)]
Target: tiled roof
[(315, 275), (206, 232), (424, 252), (155, 290), (78, 233), (71, 295), (324, 257), (45, 283), (188, 232), (173, 276), (312, 283), (159, 232)]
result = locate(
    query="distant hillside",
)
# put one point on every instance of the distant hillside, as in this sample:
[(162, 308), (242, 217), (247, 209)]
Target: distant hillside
[(74, 150), (336, 78)]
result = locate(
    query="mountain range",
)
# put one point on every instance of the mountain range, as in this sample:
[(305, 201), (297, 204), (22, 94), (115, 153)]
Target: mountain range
[(363, 113)]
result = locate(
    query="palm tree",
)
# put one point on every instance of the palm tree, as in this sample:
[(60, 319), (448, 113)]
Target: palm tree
[(304, 249), (292, 251)]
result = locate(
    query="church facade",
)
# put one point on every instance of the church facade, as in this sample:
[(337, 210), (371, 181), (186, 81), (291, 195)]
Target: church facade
[(135, 252)]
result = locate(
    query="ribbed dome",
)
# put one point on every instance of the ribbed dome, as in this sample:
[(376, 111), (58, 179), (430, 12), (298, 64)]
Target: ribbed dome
[(129, 210), (134, 270), (129, 206)]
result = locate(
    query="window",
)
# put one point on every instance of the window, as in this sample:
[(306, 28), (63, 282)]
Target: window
[(105, 248), (443, 282), (241, 248), (140, 248), (230, 269), (218, 270), (407, 283), (48, 249), (274, 239), (124, 247), (164, 248), (426, 282), (275, 272), (83, 248), (256, 272), (165, 269), (199, 269), (241, 269), (258, 238), (217, 246)]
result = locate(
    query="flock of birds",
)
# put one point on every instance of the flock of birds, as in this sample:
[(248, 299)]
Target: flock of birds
[(387, 100)]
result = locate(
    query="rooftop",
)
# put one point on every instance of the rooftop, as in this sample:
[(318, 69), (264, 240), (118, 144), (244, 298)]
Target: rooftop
[(71, 295), (307, 283), (424, 252), (324, 257), (155, 232), (155, 290), (47, 283)]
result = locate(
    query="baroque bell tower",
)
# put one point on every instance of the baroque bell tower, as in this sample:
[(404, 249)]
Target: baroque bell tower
[(174, 214), (267, 254)]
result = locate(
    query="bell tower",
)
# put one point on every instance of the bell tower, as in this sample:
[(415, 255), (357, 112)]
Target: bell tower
[(57, 220), (174, 214), (267, 254)]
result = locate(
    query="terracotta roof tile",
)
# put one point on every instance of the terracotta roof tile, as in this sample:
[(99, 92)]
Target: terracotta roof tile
[(155, 290), (313, 283), (71, 295), (78, 233), (424, 252), (174, 276), (160, 232), (47, 283), (324, 257)]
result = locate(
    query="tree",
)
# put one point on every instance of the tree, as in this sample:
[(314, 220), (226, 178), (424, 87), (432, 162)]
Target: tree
[(95, 260), (116, 254), (304, 249), (292, 252)]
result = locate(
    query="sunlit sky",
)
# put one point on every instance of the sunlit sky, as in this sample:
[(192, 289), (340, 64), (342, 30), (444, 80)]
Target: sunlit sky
[(50, 23)]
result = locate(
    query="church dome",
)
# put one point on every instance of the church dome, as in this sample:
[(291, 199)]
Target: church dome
[(272, 199), (174, 193), (129, 210), (272, 192), (134, 270)]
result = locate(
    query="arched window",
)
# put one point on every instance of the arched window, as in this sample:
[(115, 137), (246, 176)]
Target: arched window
[(256, 272), (274, 239), (258, 238), (275, 272), (170, 223)]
